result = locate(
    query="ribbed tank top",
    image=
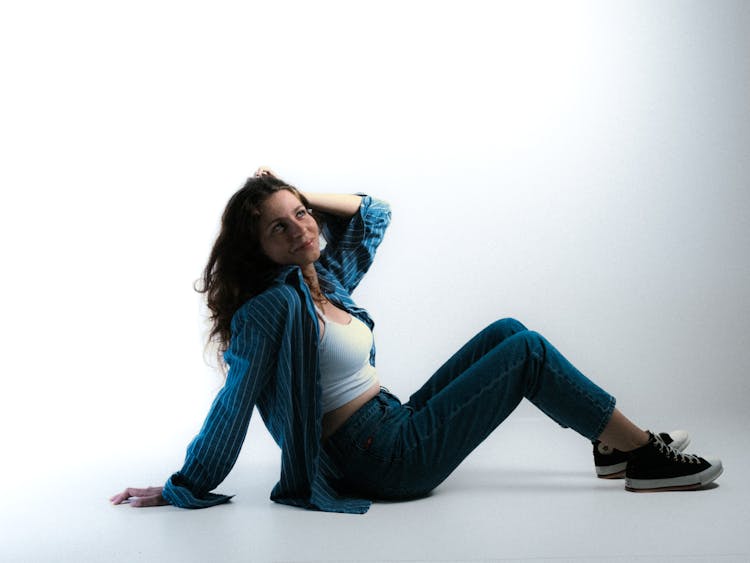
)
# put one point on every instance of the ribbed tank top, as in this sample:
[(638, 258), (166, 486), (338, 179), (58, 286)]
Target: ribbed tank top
[(344, 356)]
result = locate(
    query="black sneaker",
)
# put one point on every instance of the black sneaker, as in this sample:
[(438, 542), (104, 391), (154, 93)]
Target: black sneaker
[(659, 467), (611, 463)]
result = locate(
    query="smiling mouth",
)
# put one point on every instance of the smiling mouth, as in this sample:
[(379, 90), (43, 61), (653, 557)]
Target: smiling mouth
[(305, 246)]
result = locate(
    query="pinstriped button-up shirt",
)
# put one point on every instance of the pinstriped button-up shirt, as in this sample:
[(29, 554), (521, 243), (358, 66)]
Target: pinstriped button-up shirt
[(273, 363)]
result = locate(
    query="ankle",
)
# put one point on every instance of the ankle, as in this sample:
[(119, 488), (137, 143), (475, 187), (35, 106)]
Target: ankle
[(621, 434), (630, 442), (638, 441)]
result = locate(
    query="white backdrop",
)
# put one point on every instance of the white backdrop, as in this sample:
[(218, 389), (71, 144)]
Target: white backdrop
[(581, 166)]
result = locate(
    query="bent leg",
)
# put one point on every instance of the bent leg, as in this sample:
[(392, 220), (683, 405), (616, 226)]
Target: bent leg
[(463, 412), (469, 354)]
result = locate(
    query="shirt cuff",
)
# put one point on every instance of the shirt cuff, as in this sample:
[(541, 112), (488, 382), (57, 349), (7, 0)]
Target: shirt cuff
[(178, 494)]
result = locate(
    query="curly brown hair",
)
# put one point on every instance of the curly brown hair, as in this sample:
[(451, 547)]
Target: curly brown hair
[(237, 268)]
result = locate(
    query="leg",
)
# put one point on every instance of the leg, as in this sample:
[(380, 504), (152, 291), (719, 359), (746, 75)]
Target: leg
[(389, 450), (403, 451), (463, 414), (469, 354)]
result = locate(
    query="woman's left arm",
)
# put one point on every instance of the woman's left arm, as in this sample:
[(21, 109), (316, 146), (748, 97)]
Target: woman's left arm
[(341, 205), (351, 241)]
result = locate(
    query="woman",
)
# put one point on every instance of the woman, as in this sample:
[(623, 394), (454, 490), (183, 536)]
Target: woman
[(300, 349)]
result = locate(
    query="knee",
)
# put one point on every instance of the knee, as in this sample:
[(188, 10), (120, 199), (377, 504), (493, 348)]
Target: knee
[(536, 344), (501, 330), (507, 327)]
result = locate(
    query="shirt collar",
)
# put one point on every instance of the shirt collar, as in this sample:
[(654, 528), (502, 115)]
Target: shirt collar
[(293, 274), (285, 273)]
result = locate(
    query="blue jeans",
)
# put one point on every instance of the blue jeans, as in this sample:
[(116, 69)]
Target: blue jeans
[(388, 450)]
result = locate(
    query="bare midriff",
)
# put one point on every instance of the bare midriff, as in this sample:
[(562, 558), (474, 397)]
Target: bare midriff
[(333, 420)]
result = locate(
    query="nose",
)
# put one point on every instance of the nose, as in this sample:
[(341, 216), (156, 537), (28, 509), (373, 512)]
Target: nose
[(295, 230)]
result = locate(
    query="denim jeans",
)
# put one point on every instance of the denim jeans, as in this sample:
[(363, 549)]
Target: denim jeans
[(389, 450)]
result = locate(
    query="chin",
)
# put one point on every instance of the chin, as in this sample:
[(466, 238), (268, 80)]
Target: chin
[(308, 257)]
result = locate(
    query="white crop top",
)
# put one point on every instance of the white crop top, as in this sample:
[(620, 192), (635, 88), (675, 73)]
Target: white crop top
[(344, 356)]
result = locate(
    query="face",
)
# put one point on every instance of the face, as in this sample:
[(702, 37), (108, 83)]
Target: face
[(288, 233)]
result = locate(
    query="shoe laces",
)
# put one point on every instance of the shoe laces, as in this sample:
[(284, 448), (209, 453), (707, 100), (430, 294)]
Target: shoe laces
[(674, 454)]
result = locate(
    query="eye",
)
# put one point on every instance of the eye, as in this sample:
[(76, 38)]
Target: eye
[(301, 213), (278, 228)]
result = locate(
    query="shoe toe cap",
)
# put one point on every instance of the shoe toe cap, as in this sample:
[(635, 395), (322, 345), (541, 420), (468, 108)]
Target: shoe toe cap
[(680, 439), (712, 473)]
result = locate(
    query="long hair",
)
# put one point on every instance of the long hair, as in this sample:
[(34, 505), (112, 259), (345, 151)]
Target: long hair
[(237, 268)]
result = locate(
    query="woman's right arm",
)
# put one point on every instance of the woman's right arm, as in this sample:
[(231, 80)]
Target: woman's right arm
[(213, 452)]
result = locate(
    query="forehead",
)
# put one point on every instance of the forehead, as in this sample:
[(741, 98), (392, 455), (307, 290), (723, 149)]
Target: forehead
[(278, 205)]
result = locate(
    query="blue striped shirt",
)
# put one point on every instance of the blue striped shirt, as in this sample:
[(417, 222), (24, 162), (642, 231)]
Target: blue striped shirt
[(273, 363)]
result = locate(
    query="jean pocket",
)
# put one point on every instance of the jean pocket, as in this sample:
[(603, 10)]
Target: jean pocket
[(379, 439)]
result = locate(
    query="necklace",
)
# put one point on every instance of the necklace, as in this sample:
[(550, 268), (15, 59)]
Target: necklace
[(320, 299), (315, 292)]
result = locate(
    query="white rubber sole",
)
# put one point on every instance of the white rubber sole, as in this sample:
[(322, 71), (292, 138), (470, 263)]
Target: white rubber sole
[(685, 483), (616, 471)]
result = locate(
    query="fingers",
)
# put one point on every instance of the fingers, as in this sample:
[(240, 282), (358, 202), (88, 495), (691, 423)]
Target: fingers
[(264, 171), (134, 492), (120, 497), (150, 496)]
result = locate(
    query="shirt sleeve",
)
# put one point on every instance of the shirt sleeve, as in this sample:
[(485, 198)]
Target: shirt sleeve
[(214, 451), (351, 242)]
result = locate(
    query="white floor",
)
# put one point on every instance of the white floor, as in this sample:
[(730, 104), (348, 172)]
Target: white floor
[(528, 493)]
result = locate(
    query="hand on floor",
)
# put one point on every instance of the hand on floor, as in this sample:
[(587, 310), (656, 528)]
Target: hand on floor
[(140, 498)]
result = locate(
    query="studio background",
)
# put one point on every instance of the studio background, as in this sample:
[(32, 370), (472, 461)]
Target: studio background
[(580, 166)]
